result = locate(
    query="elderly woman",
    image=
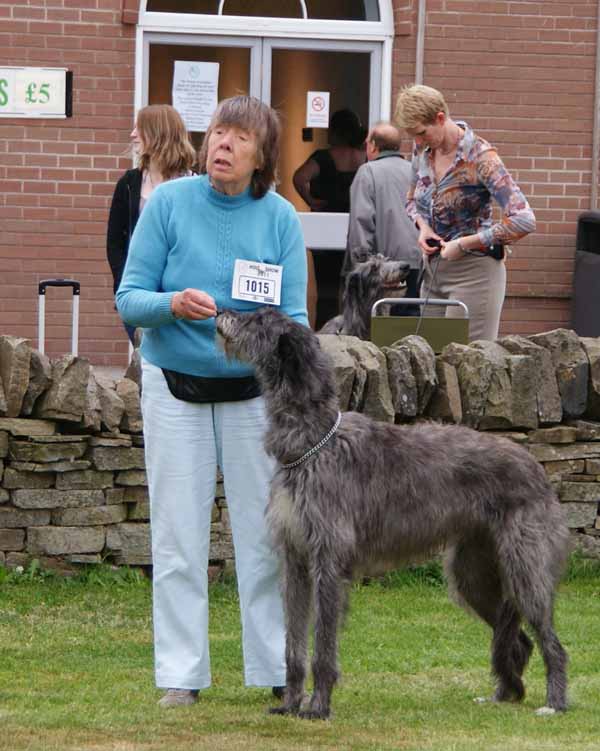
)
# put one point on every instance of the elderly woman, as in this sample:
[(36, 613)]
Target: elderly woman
[(456, 174), (219, 240)]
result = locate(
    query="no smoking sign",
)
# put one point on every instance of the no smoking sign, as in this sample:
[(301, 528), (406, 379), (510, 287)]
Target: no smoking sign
[(317, 109)]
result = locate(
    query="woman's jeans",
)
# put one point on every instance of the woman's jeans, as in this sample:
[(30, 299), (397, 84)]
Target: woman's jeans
[(184, 444)]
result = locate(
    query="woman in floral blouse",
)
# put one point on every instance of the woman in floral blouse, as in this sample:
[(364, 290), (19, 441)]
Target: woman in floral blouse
[(456, 174)]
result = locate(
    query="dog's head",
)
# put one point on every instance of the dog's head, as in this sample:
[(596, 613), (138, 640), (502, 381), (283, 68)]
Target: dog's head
[(279, 348), (377, 277), (250, 336), (261, 335)]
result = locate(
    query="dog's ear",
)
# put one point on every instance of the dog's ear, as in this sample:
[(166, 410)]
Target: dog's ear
[(288, 354), (289, 360), (354, 285)]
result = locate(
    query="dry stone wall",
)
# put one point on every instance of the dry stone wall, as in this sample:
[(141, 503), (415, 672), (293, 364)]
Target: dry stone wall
[(72, 477)]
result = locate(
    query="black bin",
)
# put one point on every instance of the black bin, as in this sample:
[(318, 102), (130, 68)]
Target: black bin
[(586, 282)]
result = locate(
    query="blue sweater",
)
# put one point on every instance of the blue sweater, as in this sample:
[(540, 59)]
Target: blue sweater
[(189, 235)]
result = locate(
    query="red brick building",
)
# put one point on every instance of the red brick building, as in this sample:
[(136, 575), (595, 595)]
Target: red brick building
[(522, 73)]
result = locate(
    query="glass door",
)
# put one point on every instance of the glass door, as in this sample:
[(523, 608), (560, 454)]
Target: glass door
[(278, 71), (239, 60), (349, 71)]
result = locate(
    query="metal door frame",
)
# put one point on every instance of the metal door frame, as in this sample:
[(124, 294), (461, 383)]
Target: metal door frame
[(326, 230), (196, 40), (327, 45)]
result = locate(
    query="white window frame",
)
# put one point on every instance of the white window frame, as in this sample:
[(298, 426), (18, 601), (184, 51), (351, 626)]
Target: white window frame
[(254, 44), (327, 231), (296, 26), (301, 3)]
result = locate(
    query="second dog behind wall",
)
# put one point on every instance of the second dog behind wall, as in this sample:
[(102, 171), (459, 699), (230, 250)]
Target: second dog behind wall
[(369, 281)]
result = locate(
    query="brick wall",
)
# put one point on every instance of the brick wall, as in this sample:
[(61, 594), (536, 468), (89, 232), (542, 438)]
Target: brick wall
[(522, 74), (57, 176)]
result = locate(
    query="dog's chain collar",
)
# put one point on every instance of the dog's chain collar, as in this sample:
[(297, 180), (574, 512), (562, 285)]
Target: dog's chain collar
[(319, 445)]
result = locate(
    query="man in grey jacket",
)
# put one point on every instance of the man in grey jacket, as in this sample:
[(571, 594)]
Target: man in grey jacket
[(378, 221)]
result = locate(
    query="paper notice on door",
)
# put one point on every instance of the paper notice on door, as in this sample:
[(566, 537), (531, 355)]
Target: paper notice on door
[(195, 87), (317, 109)]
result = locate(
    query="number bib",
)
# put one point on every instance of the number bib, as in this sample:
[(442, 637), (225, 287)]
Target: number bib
[(257, 282)]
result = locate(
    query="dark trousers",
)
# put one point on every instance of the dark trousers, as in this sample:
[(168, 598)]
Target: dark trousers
[(328, 267), (130, 332)]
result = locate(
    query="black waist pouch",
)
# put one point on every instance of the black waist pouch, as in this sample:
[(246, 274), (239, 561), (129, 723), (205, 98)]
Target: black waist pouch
[(190, 388), (497, 251)]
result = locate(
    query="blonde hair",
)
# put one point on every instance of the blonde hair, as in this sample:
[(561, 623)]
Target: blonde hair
[(165, 141), (249, 113), (417, 105)]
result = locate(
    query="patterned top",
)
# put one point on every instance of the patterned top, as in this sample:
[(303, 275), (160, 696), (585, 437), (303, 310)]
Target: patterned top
[(460, 204)]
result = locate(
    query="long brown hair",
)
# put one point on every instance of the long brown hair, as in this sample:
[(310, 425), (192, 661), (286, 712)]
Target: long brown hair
[(249, 113), (165, 141)]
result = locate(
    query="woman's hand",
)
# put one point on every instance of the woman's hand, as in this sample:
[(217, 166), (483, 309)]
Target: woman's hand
[(426, 233), (193, 304), (452, 251)]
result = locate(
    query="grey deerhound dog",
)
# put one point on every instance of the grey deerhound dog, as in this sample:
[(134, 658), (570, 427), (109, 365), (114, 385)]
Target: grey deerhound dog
[(370, 280), (351, 495)]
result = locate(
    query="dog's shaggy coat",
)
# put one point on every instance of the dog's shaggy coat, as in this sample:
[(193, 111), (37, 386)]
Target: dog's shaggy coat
[(369, 281), (377, 494)]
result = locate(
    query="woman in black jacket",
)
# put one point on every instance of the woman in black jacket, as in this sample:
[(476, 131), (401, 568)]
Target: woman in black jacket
[(164, 152)]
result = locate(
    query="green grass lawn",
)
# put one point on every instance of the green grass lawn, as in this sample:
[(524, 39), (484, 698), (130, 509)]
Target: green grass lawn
[(76, 673)]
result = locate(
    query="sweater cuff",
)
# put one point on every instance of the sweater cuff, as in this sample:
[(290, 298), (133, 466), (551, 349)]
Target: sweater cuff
[(486, 237), (164, 306)]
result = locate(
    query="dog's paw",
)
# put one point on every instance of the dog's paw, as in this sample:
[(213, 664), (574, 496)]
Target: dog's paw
[(545, 712), (283, 710), (312, 714), (497, 698)]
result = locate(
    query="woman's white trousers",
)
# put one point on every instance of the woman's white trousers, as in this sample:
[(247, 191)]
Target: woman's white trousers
[(184, 443)]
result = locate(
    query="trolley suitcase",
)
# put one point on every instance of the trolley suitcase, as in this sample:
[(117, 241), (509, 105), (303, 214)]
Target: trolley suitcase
[(385, 330), (75, 286)]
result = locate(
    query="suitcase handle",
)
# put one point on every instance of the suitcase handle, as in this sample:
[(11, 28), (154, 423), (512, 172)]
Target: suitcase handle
[(76, 287), (416, 301), (58, 283)]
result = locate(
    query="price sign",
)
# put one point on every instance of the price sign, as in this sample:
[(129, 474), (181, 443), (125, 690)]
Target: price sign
[(36, 92)]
